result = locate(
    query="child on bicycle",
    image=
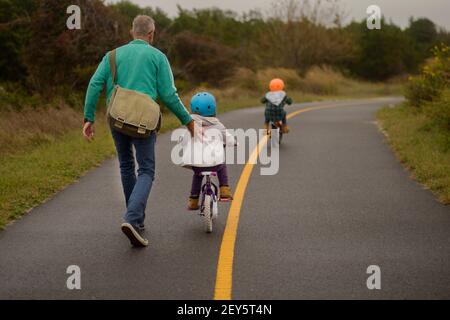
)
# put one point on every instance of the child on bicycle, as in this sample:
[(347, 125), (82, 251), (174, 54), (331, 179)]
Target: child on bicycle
[(203, 108), (275, 101)]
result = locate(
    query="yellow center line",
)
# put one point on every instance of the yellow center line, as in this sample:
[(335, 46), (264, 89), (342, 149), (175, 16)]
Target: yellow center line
[(224, 276)]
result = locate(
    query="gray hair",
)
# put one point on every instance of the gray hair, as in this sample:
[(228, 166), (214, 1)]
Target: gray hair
[(143, 25)]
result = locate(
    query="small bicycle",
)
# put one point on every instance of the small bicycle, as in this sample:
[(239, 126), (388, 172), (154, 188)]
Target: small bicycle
[(209, 209)]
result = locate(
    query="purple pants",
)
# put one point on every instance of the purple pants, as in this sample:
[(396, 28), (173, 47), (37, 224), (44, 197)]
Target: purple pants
[(197, 179)]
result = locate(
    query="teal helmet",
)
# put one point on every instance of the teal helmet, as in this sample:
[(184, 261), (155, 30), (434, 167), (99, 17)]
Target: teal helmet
[(204, 104)]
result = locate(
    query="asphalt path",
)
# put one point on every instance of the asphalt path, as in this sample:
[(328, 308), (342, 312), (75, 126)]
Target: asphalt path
[(339, 203)]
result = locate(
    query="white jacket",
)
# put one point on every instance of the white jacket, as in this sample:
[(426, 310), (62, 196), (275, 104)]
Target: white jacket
[(276, 97), (207, 149)]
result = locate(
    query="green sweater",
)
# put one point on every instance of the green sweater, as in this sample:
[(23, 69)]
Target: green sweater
[(142, 68)]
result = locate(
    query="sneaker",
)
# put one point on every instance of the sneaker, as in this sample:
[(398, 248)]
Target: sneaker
[(284, 129), (134, 235), (193, 203), (225, 193)]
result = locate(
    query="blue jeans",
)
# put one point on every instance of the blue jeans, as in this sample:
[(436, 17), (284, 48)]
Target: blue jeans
[(136, 189)]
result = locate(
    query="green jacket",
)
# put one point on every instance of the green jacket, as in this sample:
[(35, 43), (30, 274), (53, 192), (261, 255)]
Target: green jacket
[(142, 68)]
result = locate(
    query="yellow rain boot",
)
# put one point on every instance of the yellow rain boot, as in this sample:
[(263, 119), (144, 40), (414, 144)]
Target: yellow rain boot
[(193, 203), (225, 193)]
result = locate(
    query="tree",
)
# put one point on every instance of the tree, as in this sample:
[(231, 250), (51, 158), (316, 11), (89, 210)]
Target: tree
[(424, 33), (422, 30), (130, 10), (226, 27), (381, 54), (203, 59), (237, 32), (57, 56), (15, 33), (299, 36)]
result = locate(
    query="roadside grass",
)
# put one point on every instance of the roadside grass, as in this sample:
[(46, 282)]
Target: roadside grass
[(43, 150), (421, 145)]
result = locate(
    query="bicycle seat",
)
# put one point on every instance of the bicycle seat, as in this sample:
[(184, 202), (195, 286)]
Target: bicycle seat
[(209, 173)]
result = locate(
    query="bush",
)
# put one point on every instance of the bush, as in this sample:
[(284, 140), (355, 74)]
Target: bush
[(15, 32), (203, 59), (290, 77), (58, 56), (299, 34), (317, 80), (14, 97), (439, 109), (323, 80), (244, 78), (381, 54), (435, 77)]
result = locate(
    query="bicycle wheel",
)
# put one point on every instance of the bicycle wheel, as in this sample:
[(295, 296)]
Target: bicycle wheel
[(278, 128), (215, 209), (276, 135), (208, 214)]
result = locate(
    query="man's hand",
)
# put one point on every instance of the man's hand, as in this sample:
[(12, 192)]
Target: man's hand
[(89, 131), (191, 127)]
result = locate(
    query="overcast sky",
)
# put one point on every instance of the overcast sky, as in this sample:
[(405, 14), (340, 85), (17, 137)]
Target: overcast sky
[(398, 10)]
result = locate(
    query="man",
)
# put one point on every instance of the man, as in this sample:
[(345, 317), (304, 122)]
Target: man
[(145, 69)]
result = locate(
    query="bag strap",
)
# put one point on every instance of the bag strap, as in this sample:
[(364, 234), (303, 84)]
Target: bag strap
[(112, 65)]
